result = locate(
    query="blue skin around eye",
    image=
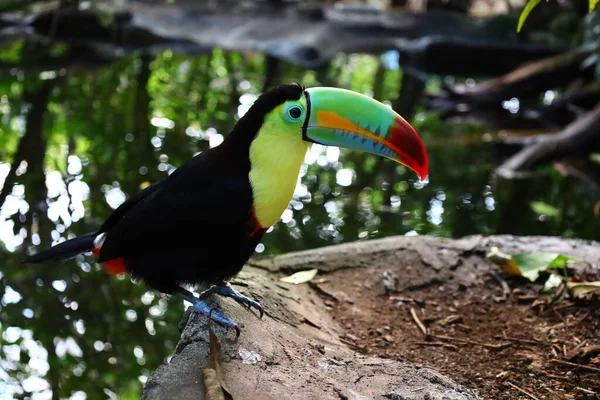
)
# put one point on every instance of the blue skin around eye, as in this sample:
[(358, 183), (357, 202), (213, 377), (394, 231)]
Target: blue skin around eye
[(287, 115)]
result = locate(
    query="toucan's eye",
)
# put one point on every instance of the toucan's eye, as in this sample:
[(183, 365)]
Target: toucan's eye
[(293, 112)]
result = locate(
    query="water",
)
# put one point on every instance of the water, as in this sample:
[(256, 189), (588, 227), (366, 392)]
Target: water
[(72, 330)]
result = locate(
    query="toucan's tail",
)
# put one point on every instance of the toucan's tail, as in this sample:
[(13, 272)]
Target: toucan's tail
[(64, 250)]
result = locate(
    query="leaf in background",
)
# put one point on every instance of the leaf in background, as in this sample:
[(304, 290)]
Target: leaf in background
[(144, 185), (525, 13), (593, 4), (541, 208), (595, 157), (579, 289), (214, 381), (300, 277)]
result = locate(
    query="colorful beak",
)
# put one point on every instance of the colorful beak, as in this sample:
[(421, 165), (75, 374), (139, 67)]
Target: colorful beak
[(342, 118)]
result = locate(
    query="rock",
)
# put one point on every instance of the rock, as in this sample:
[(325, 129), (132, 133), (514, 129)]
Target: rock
[(290, 366)]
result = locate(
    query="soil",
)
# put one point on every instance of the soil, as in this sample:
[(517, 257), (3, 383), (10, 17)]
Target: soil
[(505, 347)]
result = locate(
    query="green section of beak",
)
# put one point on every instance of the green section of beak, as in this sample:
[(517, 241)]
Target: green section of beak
[(344, 118)]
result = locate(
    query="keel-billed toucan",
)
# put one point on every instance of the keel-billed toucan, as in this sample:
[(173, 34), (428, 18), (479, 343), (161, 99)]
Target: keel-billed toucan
[(203, 222)]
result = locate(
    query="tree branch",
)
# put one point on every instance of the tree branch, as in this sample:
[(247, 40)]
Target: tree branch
[(578, 137)]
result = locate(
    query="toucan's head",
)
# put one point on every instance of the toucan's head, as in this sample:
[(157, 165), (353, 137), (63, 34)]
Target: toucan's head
[(337, 117)]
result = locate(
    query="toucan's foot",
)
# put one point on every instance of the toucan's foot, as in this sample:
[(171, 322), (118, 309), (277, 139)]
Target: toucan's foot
[(225, 289), (201, 307)]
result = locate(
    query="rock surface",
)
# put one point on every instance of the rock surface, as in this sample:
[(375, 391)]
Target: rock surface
[(298, 352)]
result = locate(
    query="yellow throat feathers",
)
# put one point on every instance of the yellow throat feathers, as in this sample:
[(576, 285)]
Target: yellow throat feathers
[(276, 155)]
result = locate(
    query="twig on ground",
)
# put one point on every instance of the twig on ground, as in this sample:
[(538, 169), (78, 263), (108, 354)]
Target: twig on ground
[(521, 390), (401, 298), (580, 320), (585, 390), (438, 344), (564, 378), (418, 322), (580, 345), (525, 341), (347, 342), (561, 307), (575, 365), (466, 341), (560, 316)]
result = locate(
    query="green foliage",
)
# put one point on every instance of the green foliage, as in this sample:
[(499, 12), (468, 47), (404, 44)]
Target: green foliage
[(531, 4), (541, 208)]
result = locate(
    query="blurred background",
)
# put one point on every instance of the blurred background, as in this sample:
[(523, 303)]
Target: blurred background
[(100, 98)]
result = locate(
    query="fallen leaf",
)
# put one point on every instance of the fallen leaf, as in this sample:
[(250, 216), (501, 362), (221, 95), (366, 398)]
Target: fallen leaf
[(531, 264), (504, 261), (214, 381), (212, 388), (554, 281), (300, 277), (580, 289)]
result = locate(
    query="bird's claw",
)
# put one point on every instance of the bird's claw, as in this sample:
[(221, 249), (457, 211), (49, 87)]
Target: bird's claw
[(225, 289), (250, 304), (203, 308)]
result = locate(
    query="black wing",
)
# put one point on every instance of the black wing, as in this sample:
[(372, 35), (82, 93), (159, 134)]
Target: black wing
[(127, 205), (202, 201)]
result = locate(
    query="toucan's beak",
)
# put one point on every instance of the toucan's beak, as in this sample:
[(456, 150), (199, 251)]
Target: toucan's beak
[(338, 117)]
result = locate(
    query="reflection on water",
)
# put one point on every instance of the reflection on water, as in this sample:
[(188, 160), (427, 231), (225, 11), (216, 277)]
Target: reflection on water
[(92, 139)]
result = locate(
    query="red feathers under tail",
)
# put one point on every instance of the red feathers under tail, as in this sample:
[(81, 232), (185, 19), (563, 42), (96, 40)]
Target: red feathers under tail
[(72, 248)]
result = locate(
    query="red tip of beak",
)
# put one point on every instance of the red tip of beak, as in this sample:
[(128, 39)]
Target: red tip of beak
[(411, 149)]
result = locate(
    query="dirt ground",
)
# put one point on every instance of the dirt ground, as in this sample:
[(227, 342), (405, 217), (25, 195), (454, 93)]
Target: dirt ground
[(503, 344)]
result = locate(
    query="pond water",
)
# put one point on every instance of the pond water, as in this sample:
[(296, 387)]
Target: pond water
[(95, 137)]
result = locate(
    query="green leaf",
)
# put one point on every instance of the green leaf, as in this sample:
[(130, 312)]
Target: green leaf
[(560, 262), (530, 264), (300, 277), (593, 4), (554, 281), (541, 208), (525, 13)]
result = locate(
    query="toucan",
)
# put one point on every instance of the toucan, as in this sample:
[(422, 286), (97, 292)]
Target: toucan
[(201, 223)]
